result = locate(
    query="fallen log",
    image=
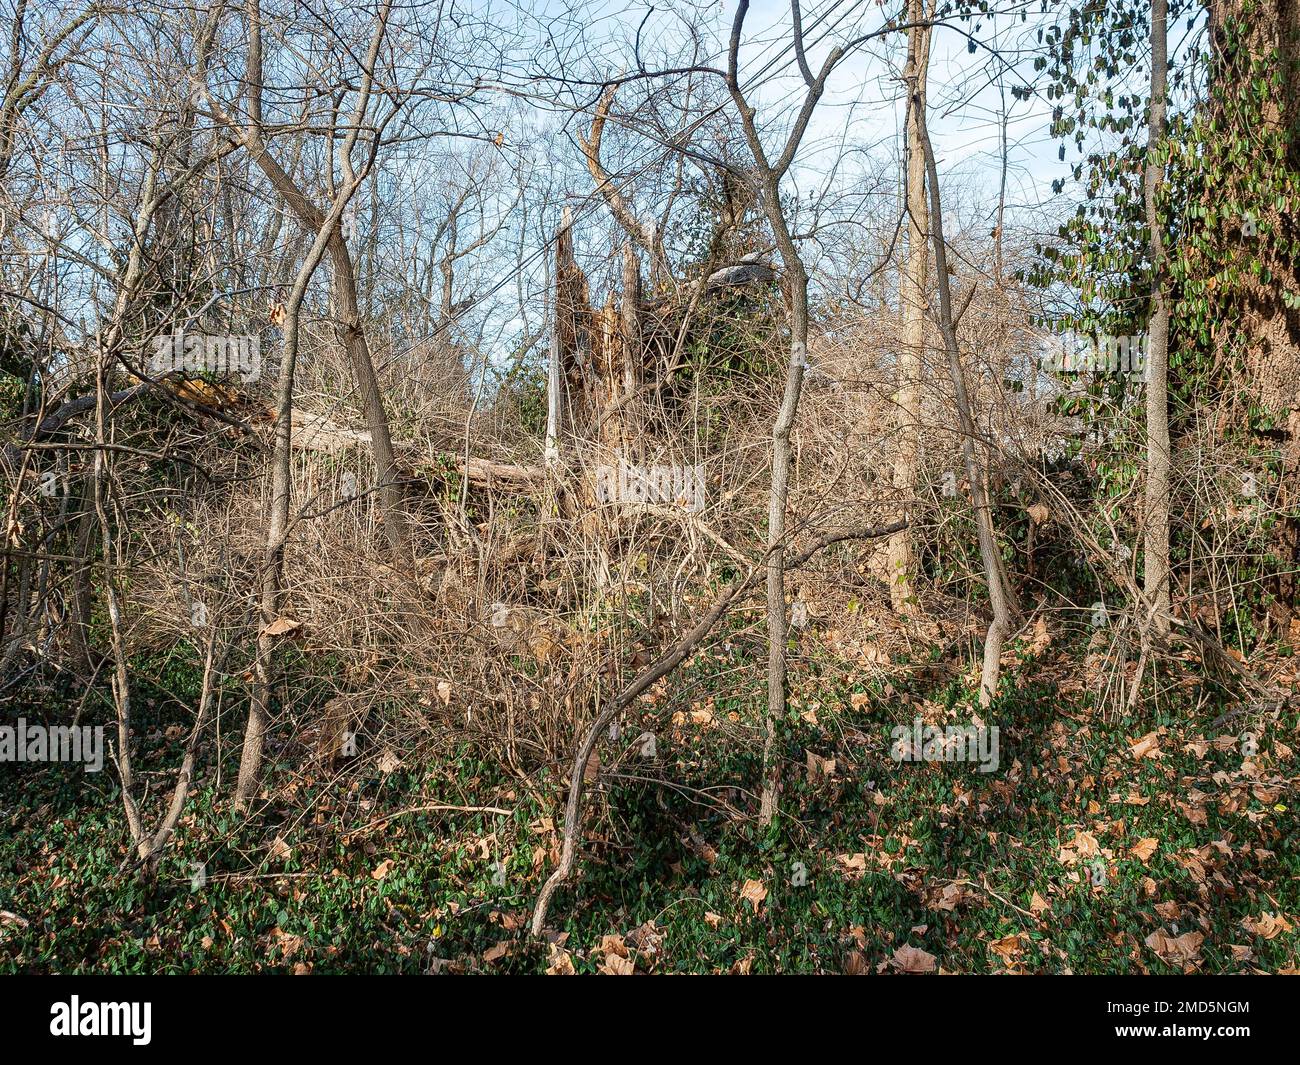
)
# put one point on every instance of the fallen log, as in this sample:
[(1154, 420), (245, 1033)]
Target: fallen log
[(317, 433), (309, 432)]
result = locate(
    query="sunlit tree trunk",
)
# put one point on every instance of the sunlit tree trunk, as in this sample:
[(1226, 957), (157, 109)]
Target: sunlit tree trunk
[(1155, 577), (912, 304)]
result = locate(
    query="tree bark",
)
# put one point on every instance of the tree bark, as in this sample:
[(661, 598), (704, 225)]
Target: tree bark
[(327, 238), (277, 529), (1001, 597), (796, 277), (912, 303), (1155, 573)]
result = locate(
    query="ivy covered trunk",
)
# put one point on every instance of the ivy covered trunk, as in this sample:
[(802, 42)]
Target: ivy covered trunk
[(1254, 115)]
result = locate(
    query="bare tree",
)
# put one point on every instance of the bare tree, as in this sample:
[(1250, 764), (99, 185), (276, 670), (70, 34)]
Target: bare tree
[(252, 134), (769, 174), (1001, 596), (30, 76), (328, 238)]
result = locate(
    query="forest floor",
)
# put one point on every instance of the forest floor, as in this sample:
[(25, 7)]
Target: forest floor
[(1156, 842)]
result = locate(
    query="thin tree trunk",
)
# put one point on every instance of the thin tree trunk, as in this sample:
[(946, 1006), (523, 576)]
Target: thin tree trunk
[(777, 497), (352, 335), (554, 375), (1155, 573), (277, 529), (328, 238), (911, 298), (1001, 597), (1003, 119), (181, 789), (629, 420), (121, 678), (796, 277)]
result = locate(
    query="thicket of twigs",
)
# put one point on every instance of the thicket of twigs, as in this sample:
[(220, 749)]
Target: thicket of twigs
[(402, 536)]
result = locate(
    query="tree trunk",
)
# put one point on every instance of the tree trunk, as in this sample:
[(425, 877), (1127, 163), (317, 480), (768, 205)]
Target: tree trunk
[(1269, 329), (1155, 576), (769, 176), (277, 529), (352, 336), (912, 300), (779, 493), (1001, 597)]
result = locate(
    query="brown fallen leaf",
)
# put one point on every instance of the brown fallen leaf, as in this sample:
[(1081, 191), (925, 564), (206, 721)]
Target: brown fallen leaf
[(646, 939), (1267, 925), (286, 943), (510, 921), (948, 898), (498, 951), (910, 959), (819, 768), (852, 865), (1007, 948), (612, 944), (855, 964), (1147, 746), (1184, 949), (1042, 639), (754, 893), (1144, 848), (613, 965), (1084, 845), (281, 626), (701, 716)]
